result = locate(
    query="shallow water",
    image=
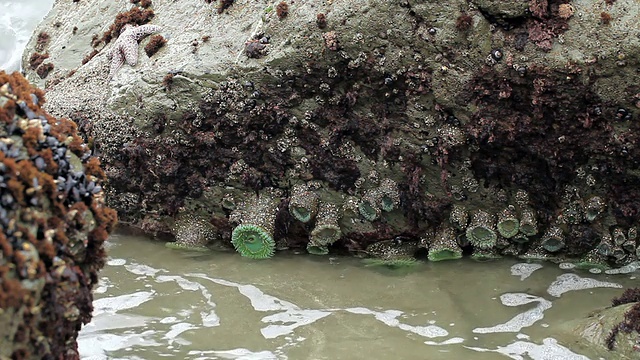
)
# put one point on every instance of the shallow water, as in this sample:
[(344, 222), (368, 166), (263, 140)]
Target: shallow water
[(153, 303)]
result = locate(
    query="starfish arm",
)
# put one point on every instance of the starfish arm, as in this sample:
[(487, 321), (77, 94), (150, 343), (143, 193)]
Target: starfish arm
[(130, 52), (143, 30)]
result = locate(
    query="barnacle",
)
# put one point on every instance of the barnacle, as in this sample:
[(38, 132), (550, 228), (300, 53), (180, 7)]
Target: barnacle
[(327, 229), (253, 238), (481, 233), (528, 222), (444, 246), (369, 205), (303, 204), (508, 224), (389, 195), (553, 239)]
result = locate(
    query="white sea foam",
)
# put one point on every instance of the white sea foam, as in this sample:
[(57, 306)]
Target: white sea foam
[(18, 18), (572, 282)]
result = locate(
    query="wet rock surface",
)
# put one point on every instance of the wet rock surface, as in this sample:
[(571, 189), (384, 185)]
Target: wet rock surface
[(53, 222), (507, 130)]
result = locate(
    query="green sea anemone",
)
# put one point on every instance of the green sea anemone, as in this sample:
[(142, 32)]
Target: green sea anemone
[(444, 246), (253, 241), (593, 259), (253, 237), (508, 224), (553, 239), (192, 232), (484, 255), (327, 229), (369, 206), (179, 246), (303, 204), (391, 263), (389, 195), (594, 207), (481, 233), (528, 222), (316, 249)]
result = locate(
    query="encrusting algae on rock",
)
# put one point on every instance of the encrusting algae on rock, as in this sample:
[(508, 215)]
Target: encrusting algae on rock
[(54, 224)]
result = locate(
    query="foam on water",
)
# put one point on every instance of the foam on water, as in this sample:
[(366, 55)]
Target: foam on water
[(18, 19)]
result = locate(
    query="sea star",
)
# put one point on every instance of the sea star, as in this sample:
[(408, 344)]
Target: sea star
[(126, 47)]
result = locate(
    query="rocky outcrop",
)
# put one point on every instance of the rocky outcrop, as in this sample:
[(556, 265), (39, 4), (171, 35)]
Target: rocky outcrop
[(509, 127), (54, 223), (616, 328)]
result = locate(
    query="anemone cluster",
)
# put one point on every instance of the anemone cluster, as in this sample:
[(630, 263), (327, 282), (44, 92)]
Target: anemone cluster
[(53, 222)]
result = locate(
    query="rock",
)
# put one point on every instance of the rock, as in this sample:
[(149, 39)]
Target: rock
[(505, 106), (596, 327), (54, 223)]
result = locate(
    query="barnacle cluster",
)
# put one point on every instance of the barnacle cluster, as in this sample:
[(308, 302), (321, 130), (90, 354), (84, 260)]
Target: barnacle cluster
[(54, 223), (253, 237)]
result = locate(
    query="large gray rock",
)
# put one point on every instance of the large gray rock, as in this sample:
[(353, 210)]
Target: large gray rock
[(480, 113)]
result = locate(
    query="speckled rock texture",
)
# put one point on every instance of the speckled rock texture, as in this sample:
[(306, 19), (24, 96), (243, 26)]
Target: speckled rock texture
[(531, 106), (53, 224)]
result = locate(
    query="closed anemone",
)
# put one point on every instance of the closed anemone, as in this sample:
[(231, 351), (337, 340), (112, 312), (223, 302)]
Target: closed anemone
[(301, 214), (253, 241), (387, 203), (508, 224), (325, 234), (368, 210)]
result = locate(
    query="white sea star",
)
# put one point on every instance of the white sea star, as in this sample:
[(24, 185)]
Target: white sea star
[(126, 46)]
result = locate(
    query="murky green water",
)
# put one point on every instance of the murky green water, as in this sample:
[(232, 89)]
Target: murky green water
[(155, 303)]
